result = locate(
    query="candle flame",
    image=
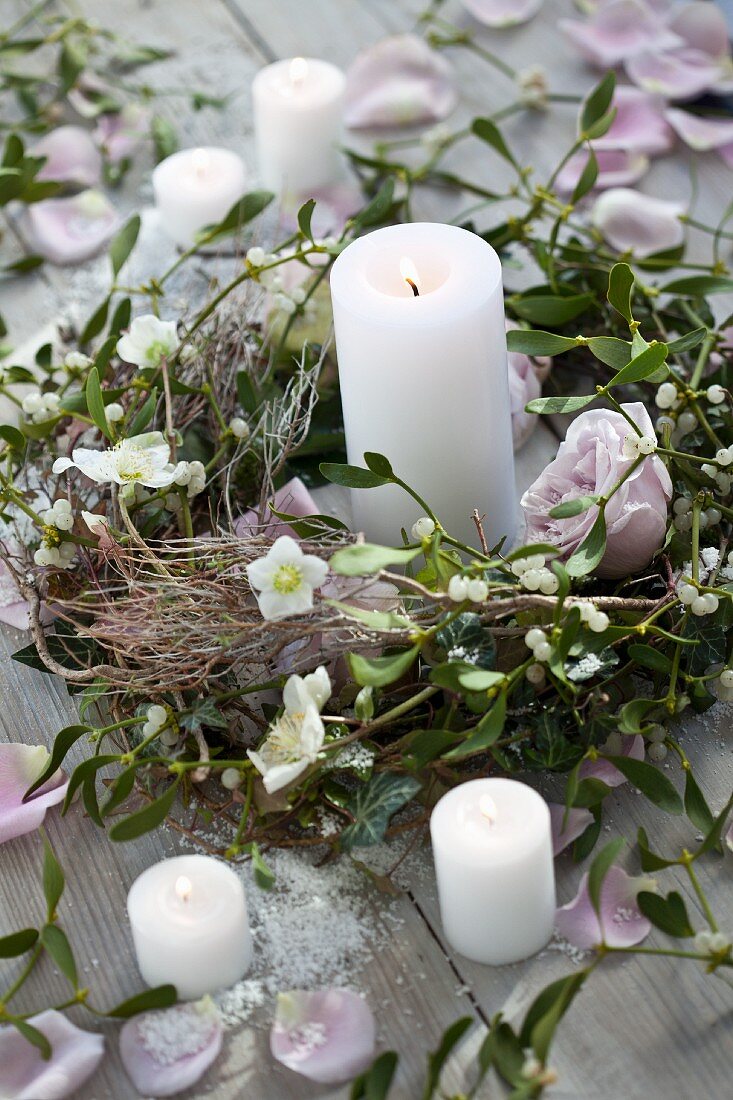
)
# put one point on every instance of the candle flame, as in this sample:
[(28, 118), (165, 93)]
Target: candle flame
[(200, 161), (298, 70), (408, 271), (487, 807), (183, 887)]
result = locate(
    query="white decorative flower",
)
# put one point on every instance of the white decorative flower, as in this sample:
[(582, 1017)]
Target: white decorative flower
[(291, 745), (302, 691), (285, 579), (142, 459), (148, 341)]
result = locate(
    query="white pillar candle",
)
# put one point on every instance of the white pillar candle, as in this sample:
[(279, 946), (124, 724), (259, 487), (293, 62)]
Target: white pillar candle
[(492, 847), (424, 377), (197, 187), (189, 925), (298, 117)]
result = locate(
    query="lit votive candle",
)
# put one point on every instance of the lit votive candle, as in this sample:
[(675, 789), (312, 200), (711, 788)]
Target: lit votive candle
[(197, 187), (189, 925), (419, 321), (492, 847), (298, 117)]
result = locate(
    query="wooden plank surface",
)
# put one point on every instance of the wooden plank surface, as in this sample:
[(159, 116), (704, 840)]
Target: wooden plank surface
[(640, 1029)]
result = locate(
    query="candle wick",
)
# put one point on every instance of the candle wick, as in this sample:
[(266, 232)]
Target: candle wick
[(415, 291)]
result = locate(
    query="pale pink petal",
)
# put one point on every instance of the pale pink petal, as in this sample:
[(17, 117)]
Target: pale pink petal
[(678, 74), (397, 82), (293, 499), (71, 156), (617, 31), (616, 168), (69, 231), (636, 223), (631, 746), (119, 135), (701, 25), (503, 13), (729, 837), (639, 125), (20, 766), (620, 925), (726, 152), (327, 1036), (701, 134), (524, 386), (167, 1051), (578, 820), (15, 614), (75, 1055)]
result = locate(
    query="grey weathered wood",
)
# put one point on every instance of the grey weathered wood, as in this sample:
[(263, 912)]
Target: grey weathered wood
[(641, 1029)]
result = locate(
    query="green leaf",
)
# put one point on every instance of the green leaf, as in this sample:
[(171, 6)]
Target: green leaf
[(641, 367), (377, 620), (53, 879), (467, 634), (437, 1059), (551, 309), (604, 124), (427, 745), (374, 804), (353, 477), (95, 324), (611, 351), (56, 943), (712, 838), (162, 996), (488, 131), (378, 209), (33, 1035), (305, 214), (620, 286), (597, 102), (378, 464), (534, 342), (699, 286), (376, 1082), (14, 439), (668, 914), (650, 861), (123, 244), (462, 674), (687, 342), (145, 414), (366, 558), (573, 507), (649, 657), (546, 405), (632, 714), (95, 403), (147, 819), (696, 806), (264, 876), (380, 671), (65, 738), (165, 138), (588, 177), (17, 943), (652, 783), (547, 1010), (590, 552), (483, 736), (600, 867), (243, 211)]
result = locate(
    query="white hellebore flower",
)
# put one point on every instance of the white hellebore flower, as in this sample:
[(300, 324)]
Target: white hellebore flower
[(285, 579), (142, 458), (296, 738), (147, 341)]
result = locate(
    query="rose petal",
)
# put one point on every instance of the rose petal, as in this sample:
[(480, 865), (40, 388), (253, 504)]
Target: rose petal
[(621, 923), (576, 823), (68, 231), (678, 74), (636, 223), (293, 498), (631, 746), (397, 82), (328, 1036), (167, 1051), (20, 766), (503, 13), (13, 610), (71, 156), (524, 386), (616, 168), (75, 1055), (701, 25), (119, 135), (617, 31), (729, 837), (639, 125), (701, 134)]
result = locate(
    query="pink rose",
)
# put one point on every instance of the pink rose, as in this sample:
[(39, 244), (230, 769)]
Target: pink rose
[(591, 461), (525, 384)]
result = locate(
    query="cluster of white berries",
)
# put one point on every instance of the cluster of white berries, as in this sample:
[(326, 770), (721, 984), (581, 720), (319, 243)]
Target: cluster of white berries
[(536, 640), (656, 736), (239, 428), (712, 943), (468, 588), (61, 555), (59, 515), (667, 396), (77, 363), (636, 445), (682, 509), (156, 717), (422, 528), (192, 475), (40, 406), (699, 603), (595, 620), (533, 576)]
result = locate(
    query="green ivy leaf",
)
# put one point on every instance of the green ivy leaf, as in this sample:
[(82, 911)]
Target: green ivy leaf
[(374, 804), (366, 558), (162, 996), (620, 286), (380, 671), (17, 943), (668, 914), (148, 818)]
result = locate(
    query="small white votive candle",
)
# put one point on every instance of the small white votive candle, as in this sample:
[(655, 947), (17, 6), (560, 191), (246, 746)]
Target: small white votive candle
[(189, 925), (197, 187), (492, 847), (298, 117)]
